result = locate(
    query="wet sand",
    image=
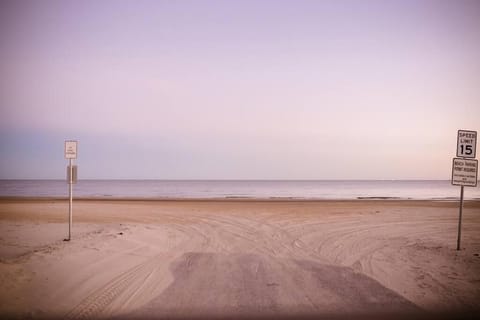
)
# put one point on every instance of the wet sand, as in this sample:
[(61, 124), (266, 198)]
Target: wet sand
[(237, 258)]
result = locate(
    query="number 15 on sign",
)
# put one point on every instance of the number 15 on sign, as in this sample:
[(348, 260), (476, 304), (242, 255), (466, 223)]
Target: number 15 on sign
[(466, 143)]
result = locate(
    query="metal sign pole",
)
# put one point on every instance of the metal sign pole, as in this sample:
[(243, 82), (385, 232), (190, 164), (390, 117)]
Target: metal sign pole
[(70, 207), (70, 153), (460, 219)]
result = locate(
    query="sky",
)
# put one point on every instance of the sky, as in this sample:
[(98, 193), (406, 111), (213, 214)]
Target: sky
[(237, 89)]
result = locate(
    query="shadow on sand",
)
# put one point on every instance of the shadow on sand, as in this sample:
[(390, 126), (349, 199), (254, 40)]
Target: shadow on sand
[(251, 286)]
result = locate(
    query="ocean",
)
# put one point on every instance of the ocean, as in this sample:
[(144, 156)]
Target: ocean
[(231, 189)]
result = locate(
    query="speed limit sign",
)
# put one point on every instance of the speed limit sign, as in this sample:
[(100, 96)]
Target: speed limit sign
[(466, 143)]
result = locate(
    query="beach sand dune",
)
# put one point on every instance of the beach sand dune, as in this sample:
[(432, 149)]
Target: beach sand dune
[(182, 259)]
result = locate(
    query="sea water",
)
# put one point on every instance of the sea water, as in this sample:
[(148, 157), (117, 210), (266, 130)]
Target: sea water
[(231, 189)]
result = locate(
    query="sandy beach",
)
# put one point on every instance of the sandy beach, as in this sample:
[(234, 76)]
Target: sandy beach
[(237, 258)]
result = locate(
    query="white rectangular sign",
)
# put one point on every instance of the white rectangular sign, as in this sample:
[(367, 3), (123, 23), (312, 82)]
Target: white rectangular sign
[(70, 149), (464, 172), (466, 143)]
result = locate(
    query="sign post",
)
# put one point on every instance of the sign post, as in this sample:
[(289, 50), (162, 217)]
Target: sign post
[(459, 233), (70, 154), (464, 169)]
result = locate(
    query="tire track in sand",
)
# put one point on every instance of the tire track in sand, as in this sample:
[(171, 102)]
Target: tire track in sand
[(94, 304), (123, 289)]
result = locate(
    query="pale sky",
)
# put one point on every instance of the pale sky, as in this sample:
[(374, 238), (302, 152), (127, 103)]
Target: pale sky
[(237, 89)]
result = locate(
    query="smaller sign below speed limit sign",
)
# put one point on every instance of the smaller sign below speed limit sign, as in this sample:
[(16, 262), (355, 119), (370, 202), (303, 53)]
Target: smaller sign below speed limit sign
[(466, 143)]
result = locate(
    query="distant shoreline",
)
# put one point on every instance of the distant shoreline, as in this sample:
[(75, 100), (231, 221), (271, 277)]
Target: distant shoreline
[(362, 200), (239, 190)]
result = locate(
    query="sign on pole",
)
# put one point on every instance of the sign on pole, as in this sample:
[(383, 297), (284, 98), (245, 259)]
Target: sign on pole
[(464, 169), (70, 154), (464, 172), (466, 143), (70, 149), (73, 171)]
